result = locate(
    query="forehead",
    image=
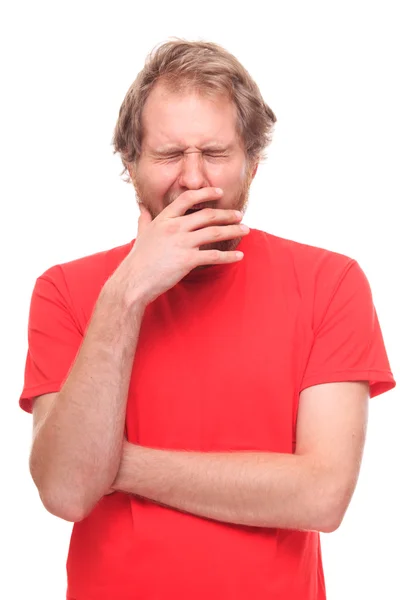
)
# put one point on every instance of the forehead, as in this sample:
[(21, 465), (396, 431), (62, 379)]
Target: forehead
[(188, 118)]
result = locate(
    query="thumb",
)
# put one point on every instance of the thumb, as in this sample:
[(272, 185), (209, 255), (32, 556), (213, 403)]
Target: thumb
[(144, 217)]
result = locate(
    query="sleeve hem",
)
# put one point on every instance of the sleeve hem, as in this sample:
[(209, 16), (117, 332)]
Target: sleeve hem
[(26, 399), (379, 381)]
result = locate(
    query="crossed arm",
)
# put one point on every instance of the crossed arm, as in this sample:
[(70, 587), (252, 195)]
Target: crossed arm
[(308, 490)]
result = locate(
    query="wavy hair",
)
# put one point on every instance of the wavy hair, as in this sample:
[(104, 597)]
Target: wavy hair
[(208, 69)]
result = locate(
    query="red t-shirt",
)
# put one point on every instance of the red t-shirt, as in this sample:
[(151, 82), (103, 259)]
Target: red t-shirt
[(221, 360)]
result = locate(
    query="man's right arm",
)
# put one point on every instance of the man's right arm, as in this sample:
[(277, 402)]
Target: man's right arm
[(77, 441), (77, 445)]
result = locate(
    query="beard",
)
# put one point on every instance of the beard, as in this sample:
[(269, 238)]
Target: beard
[(239, 202)]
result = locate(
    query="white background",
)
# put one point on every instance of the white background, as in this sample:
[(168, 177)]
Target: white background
[(330, 72)]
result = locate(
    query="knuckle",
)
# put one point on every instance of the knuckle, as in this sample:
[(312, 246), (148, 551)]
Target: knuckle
[(188, 195), (215, 255), (215, 232), (171, 226), (210, 214)]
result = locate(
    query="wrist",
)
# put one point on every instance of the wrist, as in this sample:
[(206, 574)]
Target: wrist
[(120, 479), (130, 300)]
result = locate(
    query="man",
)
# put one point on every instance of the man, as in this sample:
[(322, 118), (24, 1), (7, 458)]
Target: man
[(200, 394)]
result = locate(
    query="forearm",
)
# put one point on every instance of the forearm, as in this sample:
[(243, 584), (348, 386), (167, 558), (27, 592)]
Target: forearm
[(248, 488), (77, 449)]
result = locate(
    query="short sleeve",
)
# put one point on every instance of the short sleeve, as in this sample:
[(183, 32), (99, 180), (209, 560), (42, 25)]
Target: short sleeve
[(54, 338), (348, 343)]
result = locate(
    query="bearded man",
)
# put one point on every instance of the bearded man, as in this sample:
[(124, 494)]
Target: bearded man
[(199, 394)]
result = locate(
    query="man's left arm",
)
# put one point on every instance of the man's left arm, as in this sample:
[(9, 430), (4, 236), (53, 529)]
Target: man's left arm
[(308, 490)]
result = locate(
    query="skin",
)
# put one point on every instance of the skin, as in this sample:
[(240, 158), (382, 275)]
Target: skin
[(62, 450), (176, 154), (310, 489)]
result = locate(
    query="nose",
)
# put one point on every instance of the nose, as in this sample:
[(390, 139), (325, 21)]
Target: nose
[(192, 175)]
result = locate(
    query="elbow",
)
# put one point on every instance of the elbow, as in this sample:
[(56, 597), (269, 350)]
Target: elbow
[(333, 514), (56, 501), (330, 525), (62, 504), (330, 500), (71, 503), (65, 509)]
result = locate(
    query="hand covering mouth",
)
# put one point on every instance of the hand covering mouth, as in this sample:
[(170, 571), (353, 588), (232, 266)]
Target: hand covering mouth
[(195, 208)]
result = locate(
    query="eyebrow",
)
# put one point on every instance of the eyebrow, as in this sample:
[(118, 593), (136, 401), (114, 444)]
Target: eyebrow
[(213, 146)]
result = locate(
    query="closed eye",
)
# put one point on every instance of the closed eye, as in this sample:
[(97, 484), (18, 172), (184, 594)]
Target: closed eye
[(178, 155)]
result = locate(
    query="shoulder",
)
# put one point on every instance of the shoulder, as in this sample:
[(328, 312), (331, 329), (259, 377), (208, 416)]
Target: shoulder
[(329, 284), (86, 273), (309, 264)]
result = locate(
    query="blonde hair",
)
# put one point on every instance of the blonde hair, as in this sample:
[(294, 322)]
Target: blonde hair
[(203, 67)]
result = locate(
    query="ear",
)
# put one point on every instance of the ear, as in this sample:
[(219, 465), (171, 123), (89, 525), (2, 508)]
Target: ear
[(131, 168), (254, 171), (130, 171)]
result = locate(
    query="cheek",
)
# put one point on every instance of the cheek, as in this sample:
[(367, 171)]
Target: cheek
[(232, 174), (232, 181), (156, 182)]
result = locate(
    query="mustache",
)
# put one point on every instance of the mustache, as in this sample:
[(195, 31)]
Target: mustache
[(175, 196)]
